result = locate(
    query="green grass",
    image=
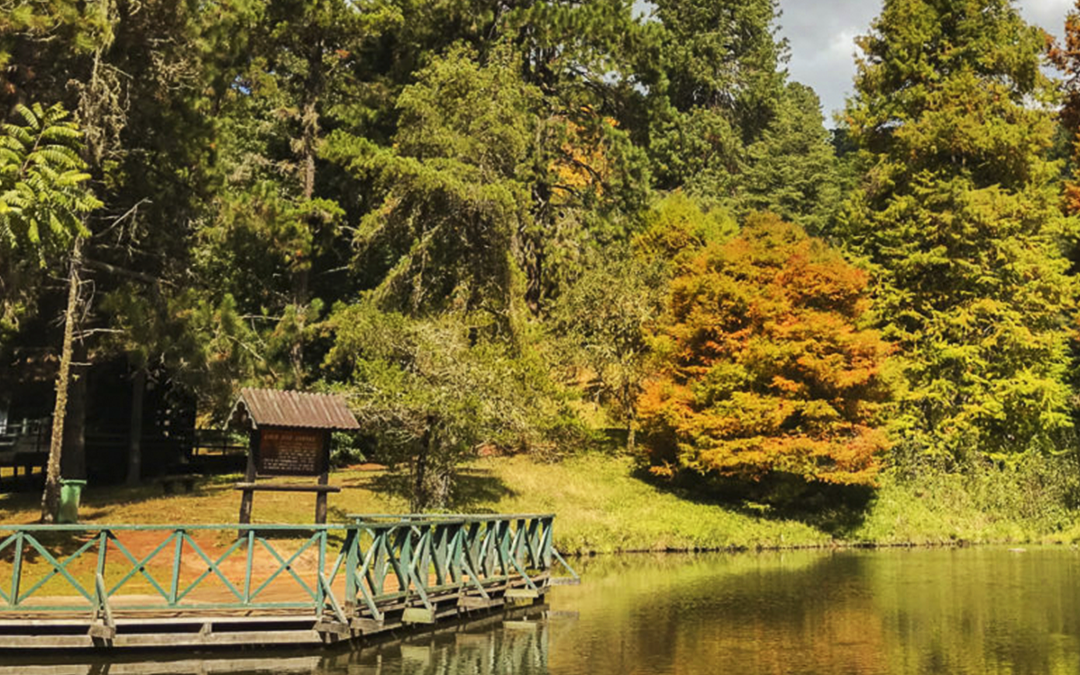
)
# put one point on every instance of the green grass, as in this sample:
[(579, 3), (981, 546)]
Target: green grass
[(603, 507), (991, 506)]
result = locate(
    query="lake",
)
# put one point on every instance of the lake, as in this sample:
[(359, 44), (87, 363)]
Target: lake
[(973, 610)]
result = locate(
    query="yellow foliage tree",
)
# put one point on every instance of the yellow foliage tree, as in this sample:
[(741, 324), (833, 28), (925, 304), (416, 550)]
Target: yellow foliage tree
[(767, 366)]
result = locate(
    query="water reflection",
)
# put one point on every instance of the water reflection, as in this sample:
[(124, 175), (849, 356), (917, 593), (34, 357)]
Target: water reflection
[(848, 612), (516, 642), (858, 612)]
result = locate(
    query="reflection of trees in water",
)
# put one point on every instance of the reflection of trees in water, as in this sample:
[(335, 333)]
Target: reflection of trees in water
[(980, 610), (861, 612), (767, 613)]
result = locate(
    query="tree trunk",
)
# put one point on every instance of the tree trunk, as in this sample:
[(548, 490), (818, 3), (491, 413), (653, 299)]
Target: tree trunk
[(73, 454), (50, 499), (135, 433), (309, 144), (534, 275), (626, 392), (418, 502), (533, 243), (421, 497)]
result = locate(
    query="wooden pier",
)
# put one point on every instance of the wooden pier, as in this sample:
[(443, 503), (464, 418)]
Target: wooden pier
[(117, 587)]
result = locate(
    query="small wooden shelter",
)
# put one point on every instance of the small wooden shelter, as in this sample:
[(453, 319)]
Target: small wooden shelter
[(290, 435)]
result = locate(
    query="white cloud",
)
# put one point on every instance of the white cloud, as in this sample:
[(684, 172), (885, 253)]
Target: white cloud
[(843, 43)]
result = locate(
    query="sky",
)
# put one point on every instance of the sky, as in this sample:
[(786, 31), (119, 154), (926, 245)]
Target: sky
[(821, 34)]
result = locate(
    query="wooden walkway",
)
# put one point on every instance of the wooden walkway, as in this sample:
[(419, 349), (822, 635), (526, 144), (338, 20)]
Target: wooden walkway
[(227, 586)]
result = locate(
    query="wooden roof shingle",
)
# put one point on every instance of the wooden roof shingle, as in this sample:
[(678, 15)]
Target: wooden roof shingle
[(272, 408)]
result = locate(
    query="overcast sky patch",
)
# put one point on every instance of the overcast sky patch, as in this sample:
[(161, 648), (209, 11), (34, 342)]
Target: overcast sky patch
[(822, 37)]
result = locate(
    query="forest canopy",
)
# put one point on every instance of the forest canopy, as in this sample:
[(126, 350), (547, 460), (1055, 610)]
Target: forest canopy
[(529, 226)]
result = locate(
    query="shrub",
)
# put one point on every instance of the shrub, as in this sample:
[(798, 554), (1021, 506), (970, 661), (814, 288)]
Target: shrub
[(766, 365)]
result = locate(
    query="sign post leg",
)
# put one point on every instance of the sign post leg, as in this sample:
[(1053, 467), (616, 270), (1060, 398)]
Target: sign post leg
[(245, 506), (320, 500), (249, 477)]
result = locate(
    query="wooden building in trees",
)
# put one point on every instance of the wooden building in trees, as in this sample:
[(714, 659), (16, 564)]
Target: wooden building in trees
[(111, 417)]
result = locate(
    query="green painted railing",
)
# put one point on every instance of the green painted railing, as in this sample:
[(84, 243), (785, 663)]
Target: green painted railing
[(341, 572)]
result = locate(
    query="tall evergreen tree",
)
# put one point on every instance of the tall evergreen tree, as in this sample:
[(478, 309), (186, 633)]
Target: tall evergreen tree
[(456, 187), (958, 214), (792, 169), (590, 173), (722, 84), (303, 71), (561, 76)]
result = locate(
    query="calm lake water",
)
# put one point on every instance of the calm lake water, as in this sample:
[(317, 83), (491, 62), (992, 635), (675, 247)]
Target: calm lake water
[(858, 612)]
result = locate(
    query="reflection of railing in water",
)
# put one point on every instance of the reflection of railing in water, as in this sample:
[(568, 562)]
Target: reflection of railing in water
[(291, 583), (516, 641), (519, 646)]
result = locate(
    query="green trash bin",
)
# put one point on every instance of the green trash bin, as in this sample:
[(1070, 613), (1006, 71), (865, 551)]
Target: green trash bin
[(70, 493)]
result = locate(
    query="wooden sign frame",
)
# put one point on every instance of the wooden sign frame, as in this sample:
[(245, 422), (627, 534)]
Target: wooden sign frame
[(290, 434), (250, 484)]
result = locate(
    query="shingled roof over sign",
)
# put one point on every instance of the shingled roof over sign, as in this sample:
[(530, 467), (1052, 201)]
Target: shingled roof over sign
[(258, 408)]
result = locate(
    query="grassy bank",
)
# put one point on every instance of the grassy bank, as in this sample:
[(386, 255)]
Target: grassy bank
[(603, 507)]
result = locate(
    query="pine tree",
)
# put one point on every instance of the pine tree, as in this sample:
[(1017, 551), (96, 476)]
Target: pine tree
[(721, 87), (44, 45), (958, 214), (559, 78), (792, 169), (301, 71), (456, 188)]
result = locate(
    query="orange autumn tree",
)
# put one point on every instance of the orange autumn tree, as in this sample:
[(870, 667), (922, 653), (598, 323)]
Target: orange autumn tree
[(767, 366)]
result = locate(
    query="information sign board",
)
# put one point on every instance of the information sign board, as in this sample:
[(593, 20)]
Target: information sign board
[(292, 452)]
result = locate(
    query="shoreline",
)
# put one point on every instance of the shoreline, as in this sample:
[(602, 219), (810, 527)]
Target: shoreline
[(603, 508)]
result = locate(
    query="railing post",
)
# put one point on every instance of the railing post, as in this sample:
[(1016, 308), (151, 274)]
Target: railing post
[(99, 569), (404, 557), (382, 550), (249, 565), (502, 529), (103, 546), (532, 542), (178, 552), (423, 548), (546, 542), (320, 597), (518, 542), (352, 563), (454, 554), (16, 569), (498, 562)]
